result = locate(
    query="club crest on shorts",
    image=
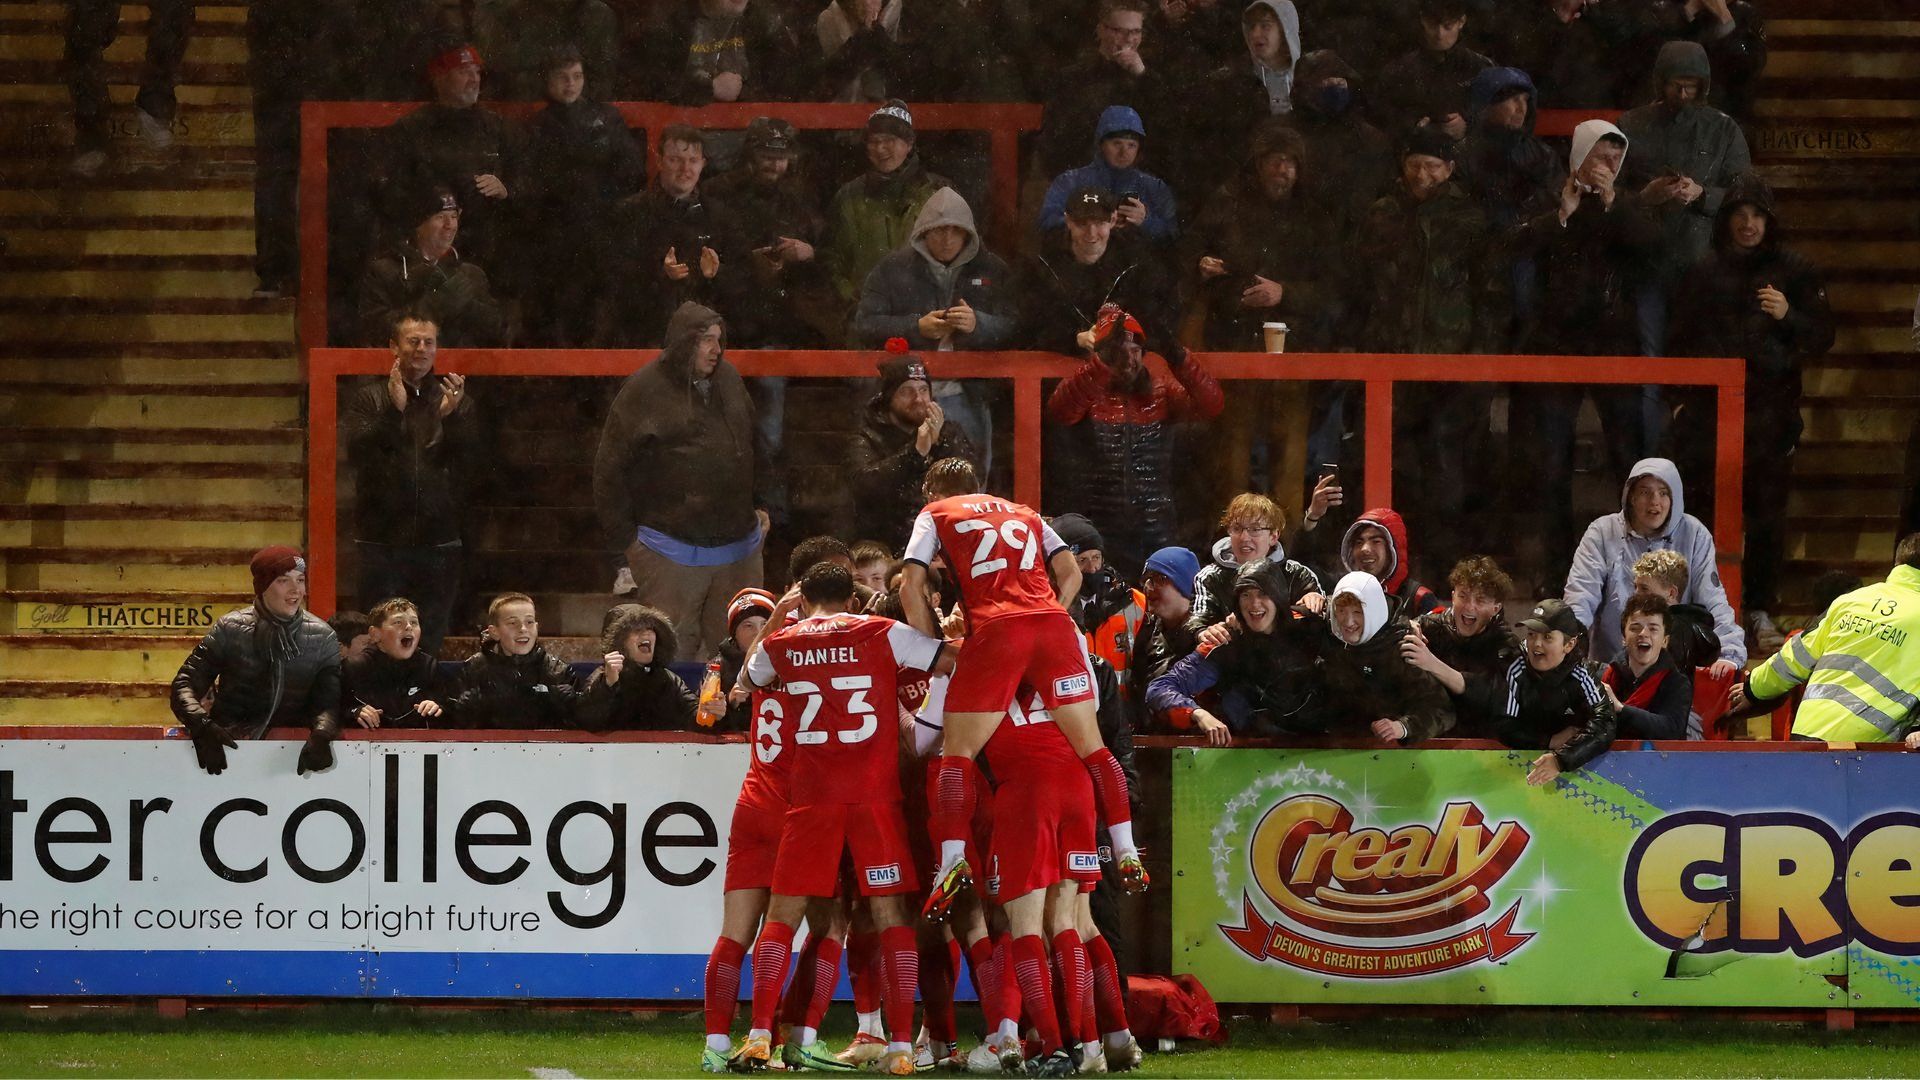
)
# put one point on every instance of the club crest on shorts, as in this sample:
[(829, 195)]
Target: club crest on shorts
[(993, 878), (879, 877), (1083, 862), (1073, 685)]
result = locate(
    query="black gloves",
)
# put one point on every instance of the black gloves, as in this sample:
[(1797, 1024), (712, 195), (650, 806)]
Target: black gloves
[(316, 755), (210, 746)]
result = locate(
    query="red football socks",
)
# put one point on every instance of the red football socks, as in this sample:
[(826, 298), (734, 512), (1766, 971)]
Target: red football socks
[(863, 969), (770, 955), (723, 984), (900, 956), (826, 973), (1110, 786), (1071, 959), (951, 799), (1109, 991), (937, 975), (986, 981), (1036, 989)]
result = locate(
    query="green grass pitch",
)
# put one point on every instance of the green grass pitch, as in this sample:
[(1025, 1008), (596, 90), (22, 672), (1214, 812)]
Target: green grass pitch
[(373, 1040)]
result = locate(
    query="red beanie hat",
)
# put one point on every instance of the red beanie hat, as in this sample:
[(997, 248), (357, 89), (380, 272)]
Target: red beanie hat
[(270, 562), (749, 602)]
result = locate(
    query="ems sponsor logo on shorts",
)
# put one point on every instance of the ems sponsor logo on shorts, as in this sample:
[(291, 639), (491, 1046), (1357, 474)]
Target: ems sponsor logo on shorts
[(1083, 862), (1072, 685), (879, 877)]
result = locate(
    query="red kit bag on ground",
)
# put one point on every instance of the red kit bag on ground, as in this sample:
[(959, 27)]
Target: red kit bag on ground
[(1159, 1007)]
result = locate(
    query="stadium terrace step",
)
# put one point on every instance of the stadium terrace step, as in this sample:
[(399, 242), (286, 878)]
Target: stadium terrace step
[(82, 657), (40, 127), (208, 48), (155, 240), (32, 408), (71, 703), (189, 373), (103, 570), (148, 489), (43, 286), (156, 527), (134, 609), (180, 445)]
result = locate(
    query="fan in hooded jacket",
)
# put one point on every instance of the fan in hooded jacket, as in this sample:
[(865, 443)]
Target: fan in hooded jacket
[(1652, 515), (1262, 674), (680, 479), (1117, 142), (1377, 543), (1754, 298), (1365, 686), (635, 688)]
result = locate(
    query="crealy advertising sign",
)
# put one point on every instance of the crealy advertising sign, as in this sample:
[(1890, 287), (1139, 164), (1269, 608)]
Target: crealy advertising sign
[(1414, 897), (1708, 878), (559, 869)]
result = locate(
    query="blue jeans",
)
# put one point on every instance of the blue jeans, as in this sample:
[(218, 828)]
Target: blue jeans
[(428, 576)]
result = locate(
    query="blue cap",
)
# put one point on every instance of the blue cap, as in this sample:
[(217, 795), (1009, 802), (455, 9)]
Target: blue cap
[(1179, 565)]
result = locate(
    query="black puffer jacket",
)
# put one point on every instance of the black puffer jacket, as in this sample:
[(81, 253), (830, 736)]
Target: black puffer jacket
[(1213, 585), (1060, 296), (650, 698), (268, 673), (1530, 707), (1489, 653), (396, 688), (498, 691)]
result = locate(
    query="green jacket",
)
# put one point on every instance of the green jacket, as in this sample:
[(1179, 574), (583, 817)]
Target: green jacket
[(1429, 275), (870, 216), (1860, 665)]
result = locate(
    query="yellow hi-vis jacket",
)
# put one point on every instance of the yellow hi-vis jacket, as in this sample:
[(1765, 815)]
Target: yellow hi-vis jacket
[(1860, 665)]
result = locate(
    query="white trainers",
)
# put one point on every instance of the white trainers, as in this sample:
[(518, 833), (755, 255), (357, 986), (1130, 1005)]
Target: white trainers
[(984, 1060), (623, 584), (154, 130)]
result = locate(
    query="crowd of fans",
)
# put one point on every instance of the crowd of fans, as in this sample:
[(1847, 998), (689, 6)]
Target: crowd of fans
[(1367, 174)]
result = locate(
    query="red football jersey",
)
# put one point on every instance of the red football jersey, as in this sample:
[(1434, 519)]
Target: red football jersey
[(841, 671), (770, 763), (997, 550), (1028, 746)]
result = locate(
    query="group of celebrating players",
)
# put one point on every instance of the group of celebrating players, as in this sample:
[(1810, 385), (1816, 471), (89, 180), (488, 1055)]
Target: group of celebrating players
[(838, 697)]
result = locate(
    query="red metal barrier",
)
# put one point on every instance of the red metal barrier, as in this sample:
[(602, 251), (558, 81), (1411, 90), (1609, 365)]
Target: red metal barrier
[(1025, 370), (1003, 125)]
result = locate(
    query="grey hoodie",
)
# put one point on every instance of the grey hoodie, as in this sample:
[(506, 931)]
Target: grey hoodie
[(909, 282), (1601, 577), (1278, 81)]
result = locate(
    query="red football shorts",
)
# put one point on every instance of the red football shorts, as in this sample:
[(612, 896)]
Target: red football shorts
[(1042, 833), (873, 835), (1042, 649), (753, 841)]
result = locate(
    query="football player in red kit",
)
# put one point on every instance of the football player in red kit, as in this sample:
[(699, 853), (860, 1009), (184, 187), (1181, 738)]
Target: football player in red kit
[(1018, 633), (844, 792)]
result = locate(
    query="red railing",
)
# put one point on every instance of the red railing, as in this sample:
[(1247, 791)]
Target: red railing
[(1025, 371), (1002, 124)]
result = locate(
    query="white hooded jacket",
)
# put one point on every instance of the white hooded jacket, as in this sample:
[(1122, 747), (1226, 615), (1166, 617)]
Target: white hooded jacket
[(1601, 577), (1366, 588)]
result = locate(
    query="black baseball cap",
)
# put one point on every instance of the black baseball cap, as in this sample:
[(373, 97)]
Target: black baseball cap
[(1554, 615), (1089, 203)]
